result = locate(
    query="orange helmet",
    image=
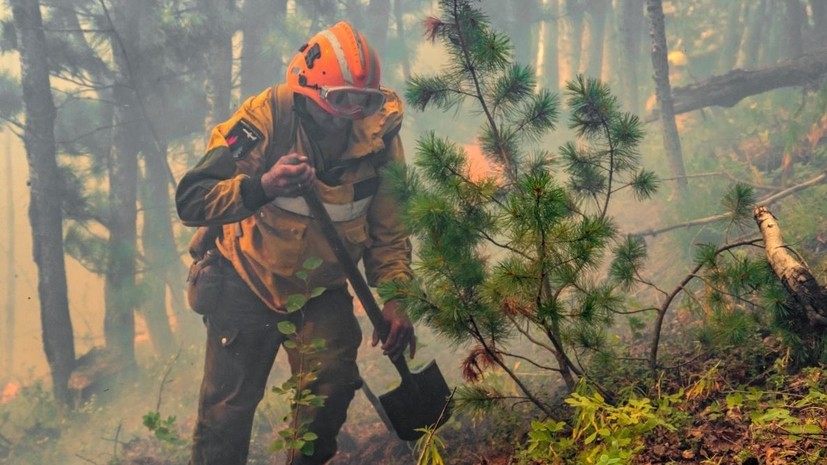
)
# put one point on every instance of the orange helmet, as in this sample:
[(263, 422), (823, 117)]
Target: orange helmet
[(339, 71)]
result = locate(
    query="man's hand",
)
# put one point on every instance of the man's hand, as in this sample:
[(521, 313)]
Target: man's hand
[(400, 331), (288, 177)]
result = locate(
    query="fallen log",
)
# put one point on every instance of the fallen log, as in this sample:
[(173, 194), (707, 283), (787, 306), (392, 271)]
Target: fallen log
[(730, 88), (809, 297)]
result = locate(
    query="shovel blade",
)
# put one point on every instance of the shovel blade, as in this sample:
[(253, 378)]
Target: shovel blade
[(419, 403)]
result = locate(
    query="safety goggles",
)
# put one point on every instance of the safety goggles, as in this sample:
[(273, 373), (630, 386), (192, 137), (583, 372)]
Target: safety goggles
[(351, 102)]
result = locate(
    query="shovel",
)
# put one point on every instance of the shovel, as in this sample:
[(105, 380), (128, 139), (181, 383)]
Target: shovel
[(421, 400)]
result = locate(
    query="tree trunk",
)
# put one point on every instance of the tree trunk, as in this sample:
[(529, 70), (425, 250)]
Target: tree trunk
[(523, 21), (809, 296), (732, 37), (750, 46), (162, 260), (376, 30), (399, 15), (259, 68), (120, 293), (11, 278), (819, 30), (218, 84), (609, 66), (44, 208), (592, 48), (794, 20), (547, 58), (663, 92), (630, 23), (570, 31)]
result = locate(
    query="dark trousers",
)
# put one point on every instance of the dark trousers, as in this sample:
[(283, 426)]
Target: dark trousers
[(242, 342)]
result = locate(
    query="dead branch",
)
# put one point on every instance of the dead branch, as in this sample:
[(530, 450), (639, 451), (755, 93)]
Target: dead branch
[(809, 296), (729, 89), (723, 216)]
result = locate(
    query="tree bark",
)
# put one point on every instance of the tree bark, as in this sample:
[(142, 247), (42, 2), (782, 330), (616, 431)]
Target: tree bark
[(523, 22), (162, 260), (44, 208), (120, 293), (569, 35), (663, 92), (732, 87), (792, 30), (547, 58), (732, 37), (748, 53), (809, 296), (630, 23), (592, 49)]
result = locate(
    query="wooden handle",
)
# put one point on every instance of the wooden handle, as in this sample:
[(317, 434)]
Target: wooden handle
[(357, 281)]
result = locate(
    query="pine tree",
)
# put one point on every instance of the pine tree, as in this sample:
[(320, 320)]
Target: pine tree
[(516, 253)]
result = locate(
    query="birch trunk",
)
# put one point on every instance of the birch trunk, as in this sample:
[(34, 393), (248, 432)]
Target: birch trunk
[(809, 296)]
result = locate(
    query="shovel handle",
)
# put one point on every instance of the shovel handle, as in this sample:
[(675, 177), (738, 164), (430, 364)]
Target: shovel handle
[(357, 281)]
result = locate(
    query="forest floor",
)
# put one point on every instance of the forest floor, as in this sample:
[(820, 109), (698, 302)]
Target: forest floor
[(738, 407)]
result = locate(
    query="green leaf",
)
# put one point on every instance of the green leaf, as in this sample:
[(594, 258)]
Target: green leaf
[(590, 438), (287, 328), (312, 263), (295, 302), (316, 292), (290, 344), (303, 275)]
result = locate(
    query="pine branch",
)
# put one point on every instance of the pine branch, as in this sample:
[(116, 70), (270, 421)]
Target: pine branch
[(653, 350), (469, 65)]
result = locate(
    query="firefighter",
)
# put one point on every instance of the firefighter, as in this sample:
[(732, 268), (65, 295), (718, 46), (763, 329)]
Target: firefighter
[(332, 128)]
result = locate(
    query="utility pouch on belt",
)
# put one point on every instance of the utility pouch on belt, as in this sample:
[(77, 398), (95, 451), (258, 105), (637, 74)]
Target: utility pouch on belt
[(206, 278), (206, 282)]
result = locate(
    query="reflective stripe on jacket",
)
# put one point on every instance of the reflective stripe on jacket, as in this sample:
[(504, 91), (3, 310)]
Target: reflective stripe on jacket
[(269, 240)]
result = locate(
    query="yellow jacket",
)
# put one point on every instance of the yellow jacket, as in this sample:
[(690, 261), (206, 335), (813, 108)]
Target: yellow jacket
[(267, 240)]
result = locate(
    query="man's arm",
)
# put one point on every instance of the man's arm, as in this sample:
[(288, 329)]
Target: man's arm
[(225, 185)]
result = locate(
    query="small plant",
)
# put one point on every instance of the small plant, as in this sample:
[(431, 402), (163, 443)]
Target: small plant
[(164, 429), (297, 437), (600, 433)]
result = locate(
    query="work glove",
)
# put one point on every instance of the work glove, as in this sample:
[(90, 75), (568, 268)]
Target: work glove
[(400, 331), (289, 177)]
